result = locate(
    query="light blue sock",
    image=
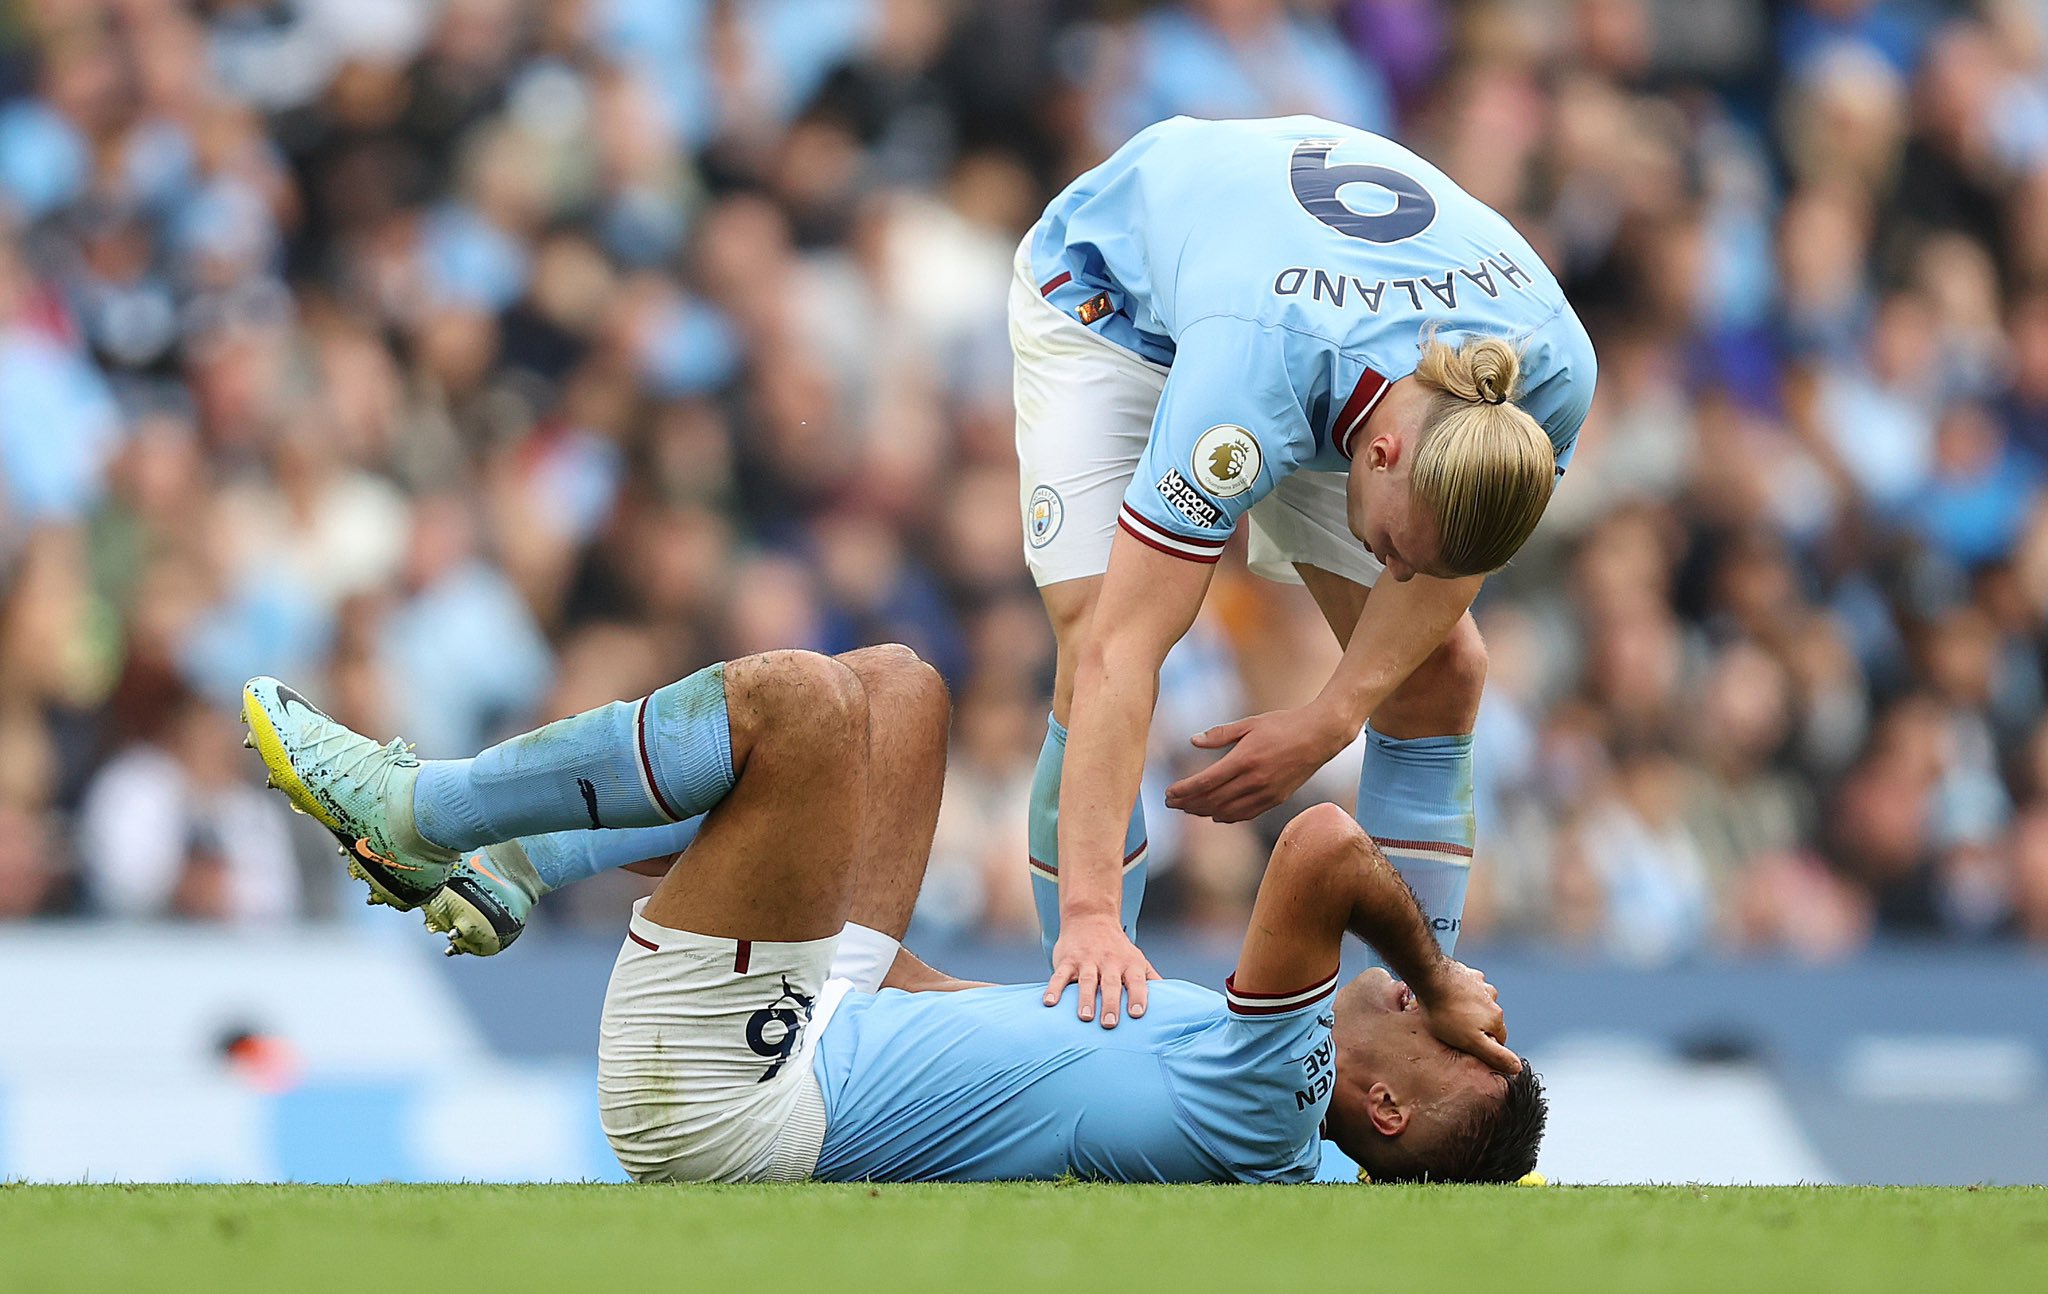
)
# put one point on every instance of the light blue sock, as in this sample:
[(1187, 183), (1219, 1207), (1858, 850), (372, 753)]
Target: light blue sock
[(565, 857), (642, 763), (1415, 799), (1045, 844)]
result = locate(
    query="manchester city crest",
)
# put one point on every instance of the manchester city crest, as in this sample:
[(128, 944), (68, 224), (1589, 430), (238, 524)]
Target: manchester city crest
[(1042, 519)]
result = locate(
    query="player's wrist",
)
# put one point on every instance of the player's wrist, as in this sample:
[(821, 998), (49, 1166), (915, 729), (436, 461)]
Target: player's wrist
[(1086, 913), (1335, 720), (1437, 983)]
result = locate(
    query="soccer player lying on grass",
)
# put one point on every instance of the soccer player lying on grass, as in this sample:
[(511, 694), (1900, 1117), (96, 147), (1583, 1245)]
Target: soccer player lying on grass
[(748, 1033)]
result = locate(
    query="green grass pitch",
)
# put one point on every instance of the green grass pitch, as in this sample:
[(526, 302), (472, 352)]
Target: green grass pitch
[(1053, 1238)]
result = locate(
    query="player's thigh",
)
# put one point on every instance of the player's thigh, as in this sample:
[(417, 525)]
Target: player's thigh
[(775, 859), (705, 1048), (1305, 522), (1084, 414)]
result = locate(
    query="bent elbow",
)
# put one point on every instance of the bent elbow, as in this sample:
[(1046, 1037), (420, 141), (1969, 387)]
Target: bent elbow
[(1320, 833)]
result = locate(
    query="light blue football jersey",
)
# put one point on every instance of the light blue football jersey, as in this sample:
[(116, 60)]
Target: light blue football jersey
[(993, 1085), (1286, 270)]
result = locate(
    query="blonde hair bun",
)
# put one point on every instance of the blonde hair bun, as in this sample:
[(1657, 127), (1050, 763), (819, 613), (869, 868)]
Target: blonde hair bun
[(1485, 370), (1484, 467)]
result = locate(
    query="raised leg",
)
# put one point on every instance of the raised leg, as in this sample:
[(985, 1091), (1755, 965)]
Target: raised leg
[(908, 714), (485, 904)]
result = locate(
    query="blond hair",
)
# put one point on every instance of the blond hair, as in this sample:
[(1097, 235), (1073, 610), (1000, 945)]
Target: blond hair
[(1483, 467)]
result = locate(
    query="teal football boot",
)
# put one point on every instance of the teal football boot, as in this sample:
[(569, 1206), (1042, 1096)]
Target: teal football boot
[(484, 904), (357, 789)]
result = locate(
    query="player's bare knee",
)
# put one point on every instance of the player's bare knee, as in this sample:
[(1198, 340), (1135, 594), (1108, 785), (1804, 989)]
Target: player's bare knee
[(796, 694), (826, 695), (880, 662), (1458, 666), (924, 686), (897, 677), (1442, 696)]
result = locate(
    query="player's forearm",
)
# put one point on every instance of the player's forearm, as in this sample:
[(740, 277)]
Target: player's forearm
[(1384, 914), (1398, 629), (1115, 689)]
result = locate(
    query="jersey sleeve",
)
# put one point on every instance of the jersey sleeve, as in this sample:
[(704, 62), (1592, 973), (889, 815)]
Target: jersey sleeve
[(1257, 1087), (1259, 1008), (1231, 423)]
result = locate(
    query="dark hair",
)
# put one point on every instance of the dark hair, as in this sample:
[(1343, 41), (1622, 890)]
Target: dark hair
[(1498, 1143)]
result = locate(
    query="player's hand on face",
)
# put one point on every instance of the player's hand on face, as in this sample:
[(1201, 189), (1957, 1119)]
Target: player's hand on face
[(1270, 756), (1096, 954), (1463, 1011)]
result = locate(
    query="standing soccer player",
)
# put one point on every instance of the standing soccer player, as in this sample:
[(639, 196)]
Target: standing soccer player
[(1308, 324)]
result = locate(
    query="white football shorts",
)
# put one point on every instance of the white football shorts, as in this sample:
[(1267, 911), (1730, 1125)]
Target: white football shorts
[(1084, 413), (705, 1051)]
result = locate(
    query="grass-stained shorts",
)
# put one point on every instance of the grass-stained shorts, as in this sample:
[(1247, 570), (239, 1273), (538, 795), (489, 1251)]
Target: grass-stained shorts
[(704, 1055)]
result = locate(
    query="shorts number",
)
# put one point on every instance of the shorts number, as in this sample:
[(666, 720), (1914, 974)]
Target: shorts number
[(772, 1035), (772, 1032), (1316, 182)]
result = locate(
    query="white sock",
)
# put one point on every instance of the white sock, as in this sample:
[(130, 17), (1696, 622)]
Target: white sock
[(864, 956)]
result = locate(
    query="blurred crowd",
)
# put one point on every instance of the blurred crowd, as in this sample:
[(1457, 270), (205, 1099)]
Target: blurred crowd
[(472, 362)]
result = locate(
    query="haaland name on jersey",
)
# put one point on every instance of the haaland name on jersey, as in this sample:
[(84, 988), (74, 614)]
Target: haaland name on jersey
[(1489, 275)]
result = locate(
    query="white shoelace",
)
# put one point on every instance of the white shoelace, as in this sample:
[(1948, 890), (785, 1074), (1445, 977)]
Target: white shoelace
[(367, 769)]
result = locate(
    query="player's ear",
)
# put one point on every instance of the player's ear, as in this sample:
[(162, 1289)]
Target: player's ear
[(1385, 1110), (1383, 452)]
